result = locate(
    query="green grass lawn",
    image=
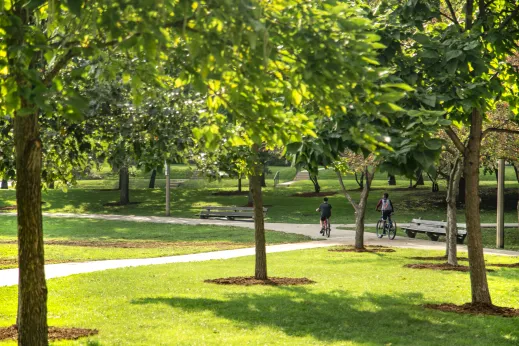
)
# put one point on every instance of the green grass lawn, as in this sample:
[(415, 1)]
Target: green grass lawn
[(89, 197), (358, 299), (101, 239)]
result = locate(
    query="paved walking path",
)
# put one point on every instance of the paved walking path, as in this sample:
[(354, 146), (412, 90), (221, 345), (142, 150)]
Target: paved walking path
[(346, 236)]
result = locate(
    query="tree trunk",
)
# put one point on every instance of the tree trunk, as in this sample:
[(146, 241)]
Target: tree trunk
[(317, 187), (262, 179), (360, 181), (250, 201), (120, 180), (360, 208), (461, 189), (516, 171), (419, 178), (124, 178), (239, 184), (478, 274), (32, 288), (152, 179), (391, 180), (259, 226), (452, 228), (360, 212), (4, 185)]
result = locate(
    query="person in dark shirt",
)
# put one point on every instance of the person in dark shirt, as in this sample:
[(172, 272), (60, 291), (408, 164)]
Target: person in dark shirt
[(386, 206), (326, 211)]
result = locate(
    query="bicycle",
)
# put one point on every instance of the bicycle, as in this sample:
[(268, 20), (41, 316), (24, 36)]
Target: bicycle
[(384, 228), (325, 229)]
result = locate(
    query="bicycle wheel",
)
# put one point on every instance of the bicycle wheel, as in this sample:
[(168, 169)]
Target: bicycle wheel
[(392, 231), (328, 229), (380, 228)]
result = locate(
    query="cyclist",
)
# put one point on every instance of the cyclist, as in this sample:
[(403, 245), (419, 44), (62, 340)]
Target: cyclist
[(386, 206), (326, 211)]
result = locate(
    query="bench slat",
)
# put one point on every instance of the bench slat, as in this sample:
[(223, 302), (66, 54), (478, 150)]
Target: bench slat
[(425, 229), (232, 208), (436, 223)]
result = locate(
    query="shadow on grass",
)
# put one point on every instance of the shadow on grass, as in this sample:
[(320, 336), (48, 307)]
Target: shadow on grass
[(338, 316)]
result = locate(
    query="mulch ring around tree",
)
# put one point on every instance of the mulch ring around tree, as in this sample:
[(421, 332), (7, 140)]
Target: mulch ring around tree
[(440, 266), (314, 194), (475, 309), (436, 258), (369, 248), (250, 281), (230, 193), (55, 333), (118, 204)]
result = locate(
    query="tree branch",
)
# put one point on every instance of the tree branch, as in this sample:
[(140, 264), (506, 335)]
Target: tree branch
[(455, 139), (469, 11), (62, 62), (344, 191), (509, 18), (494, 129), (453, 14)]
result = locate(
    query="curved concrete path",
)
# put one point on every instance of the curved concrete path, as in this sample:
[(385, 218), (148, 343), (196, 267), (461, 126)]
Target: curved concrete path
[(9, 277)]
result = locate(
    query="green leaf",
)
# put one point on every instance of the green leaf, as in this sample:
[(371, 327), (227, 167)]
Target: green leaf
[(429, 100), (452, 54), (296, 98), (402, 86)]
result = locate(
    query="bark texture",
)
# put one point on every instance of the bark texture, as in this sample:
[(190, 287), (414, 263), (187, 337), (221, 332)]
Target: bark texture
[(259, 227), (124, 179), (152, 179), (32, 288), (250, 200), (317, 187), (360, 208), (452, 221), (478, 274)]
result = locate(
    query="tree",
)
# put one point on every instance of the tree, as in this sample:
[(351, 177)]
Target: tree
[(353, 163), (39, 40), (285, 78), (460, 67)]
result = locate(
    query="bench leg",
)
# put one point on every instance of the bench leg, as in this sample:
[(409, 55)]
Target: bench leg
[(460, 239), (433, 236), (410, 234)]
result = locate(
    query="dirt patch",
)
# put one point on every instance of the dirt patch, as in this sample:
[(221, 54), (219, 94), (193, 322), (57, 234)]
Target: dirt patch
[(442, 266), (55, 333), (436, 258), (475, 309), (130, 244), (230, 193), (314, 194), (118, 204), (505, 265), (372, 249), (250, 281)]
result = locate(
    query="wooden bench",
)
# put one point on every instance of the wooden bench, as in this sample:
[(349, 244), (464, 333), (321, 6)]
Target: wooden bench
[(230, 213), (174, 183), (433, 229)]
